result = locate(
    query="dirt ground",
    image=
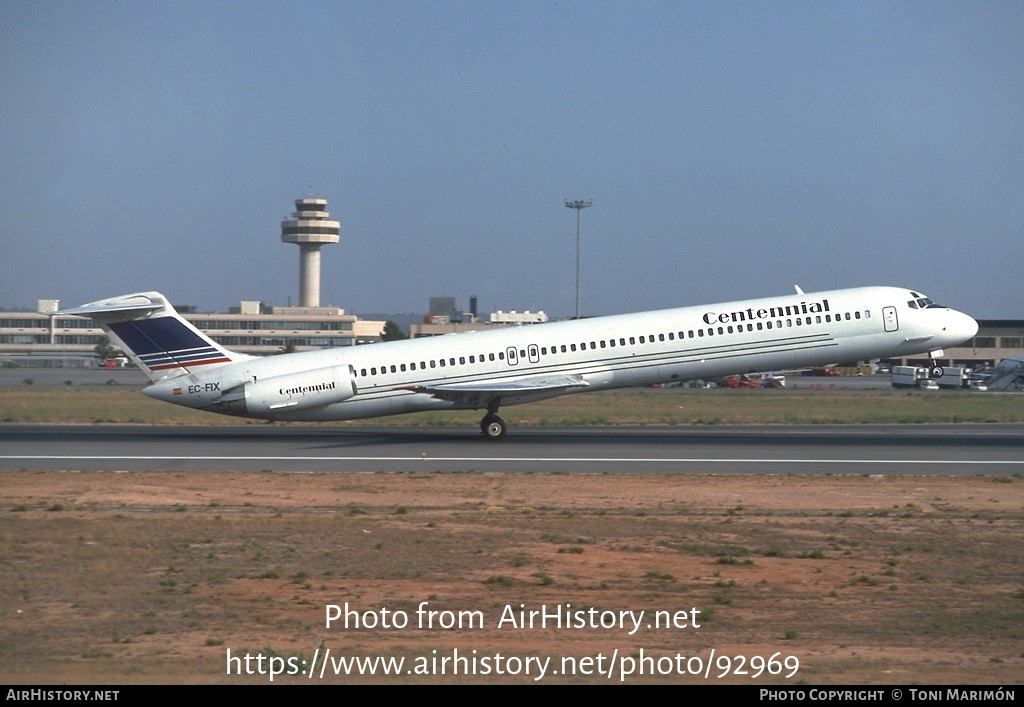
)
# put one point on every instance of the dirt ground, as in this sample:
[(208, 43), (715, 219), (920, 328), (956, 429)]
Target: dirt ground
[(155, 577)]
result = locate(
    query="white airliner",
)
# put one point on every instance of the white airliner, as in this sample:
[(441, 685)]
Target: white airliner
[(508, 366)]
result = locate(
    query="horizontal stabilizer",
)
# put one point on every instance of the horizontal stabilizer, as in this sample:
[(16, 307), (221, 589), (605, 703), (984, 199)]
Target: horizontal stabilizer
[(123, 307)]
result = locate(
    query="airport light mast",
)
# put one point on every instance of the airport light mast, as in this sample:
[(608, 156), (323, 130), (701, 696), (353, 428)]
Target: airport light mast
[(579, 206)]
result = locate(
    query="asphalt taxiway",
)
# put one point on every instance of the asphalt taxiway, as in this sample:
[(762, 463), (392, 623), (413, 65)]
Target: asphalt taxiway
[(954, 449)]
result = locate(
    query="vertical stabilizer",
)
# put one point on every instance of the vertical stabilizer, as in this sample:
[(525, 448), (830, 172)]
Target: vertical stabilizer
[(158, 339)]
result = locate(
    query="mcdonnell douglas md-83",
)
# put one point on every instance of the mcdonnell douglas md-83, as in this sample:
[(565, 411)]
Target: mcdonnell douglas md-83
[(484, 370)]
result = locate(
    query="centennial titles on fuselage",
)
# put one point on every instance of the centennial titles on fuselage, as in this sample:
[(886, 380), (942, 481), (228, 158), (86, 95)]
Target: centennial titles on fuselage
[(303, 389), (750, 314)]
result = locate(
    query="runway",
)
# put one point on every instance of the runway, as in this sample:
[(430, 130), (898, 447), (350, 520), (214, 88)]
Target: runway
[(955, 449)]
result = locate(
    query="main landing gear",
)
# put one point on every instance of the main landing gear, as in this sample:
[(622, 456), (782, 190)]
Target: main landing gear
[(493, 427)]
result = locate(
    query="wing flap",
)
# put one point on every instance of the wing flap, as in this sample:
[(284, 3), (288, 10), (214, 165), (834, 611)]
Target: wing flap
[(513, 386)]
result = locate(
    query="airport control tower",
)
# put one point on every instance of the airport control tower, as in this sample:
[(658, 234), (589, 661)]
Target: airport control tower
[(310, 230)]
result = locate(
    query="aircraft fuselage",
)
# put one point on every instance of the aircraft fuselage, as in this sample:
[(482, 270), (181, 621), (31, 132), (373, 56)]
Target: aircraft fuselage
[(508, 366)]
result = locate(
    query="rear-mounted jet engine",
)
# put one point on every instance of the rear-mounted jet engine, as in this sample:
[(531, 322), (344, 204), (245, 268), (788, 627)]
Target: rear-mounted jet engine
[(291, 391)]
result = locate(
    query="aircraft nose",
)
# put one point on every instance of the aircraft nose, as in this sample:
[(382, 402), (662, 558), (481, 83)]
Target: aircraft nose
[(960, 327)]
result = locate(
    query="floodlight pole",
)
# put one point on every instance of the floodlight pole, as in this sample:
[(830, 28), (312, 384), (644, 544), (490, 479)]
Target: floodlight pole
[(579, 206)]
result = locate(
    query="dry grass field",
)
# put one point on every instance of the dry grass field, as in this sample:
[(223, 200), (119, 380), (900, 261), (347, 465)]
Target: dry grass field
[(155, 577)]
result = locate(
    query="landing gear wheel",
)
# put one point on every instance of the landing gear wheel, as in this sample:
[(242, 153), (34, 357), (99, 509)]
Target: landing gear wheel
[(493, 427), (935, 372)]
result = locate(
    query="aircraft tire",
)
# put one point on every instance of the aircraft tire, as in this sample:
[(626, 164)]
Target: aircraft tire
[(935, 372), (493, 427)]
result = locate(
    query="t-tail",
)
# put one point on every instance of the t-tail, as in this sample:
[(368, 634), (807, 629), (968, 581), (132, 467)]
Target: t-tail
[(162, 342)]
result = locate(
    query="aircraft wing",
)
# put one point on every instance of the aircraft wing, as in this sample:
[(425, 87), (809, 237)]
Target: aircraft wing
[(528, 385)]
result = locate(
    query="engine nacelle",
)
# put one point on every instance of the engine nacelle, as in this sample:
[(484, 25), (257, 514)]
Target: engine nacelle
[(298, 391)]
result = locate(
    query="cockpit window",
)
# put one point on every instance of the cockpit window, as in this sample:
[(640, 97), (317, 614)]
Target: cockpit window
[(921, 302)]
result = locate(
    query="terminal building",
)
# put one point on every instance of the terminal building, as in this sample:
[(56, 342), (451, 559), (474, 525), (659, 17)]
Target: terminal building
[(445, 318)]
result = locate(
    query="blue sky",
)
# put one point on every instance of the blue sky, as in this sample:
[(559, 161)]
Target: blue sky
[(731, 149)]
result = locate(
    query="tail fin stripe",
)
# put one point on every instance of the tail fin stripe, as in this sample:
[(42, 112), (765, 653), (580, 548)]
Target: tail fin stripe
[(163, 367), (184, 355), (176, 359)]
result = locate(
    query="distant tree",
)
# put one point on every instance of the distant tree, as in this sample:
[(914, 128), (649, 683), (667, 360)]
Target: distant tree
[(288, 348), (105, 349), (392, 332)]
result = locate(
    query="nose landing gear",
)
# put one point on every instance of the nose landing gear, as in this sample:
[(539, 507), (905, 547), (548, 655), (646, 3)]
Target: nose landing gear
[(934, 369)]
